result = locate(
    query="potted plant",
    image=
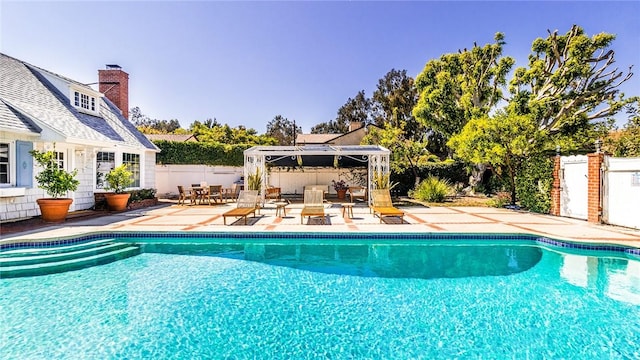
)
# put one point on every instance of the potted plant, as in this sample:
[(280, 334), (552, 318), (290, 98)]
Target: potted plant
[(56, 182), (341, 188), (117, 180)]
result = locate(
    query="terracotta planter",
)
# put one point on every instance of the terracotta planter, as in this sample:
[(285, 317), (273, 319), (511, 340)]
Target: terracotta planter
[(117, 202), (54, 210), (341, 193)]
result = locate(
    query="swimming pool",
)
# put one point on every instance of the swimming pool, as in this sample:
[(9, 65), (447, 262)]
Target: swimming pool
[(332, 296)]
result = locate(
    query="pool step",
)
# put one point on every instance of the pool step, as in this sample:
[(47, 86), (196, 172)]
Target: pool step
[(53, 249), (63, 258)]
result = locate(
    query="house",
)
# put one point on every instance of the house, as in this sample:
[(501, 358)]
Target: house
[(353, 137), (88, 129)]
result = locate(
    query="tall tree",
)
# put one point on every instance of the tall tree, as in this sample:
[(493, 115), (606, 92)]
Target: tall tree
[(570, 86), (357, 109), (397, 129), (459, 87), (283, 130), (502, 141), (147, 125), (564, 98)]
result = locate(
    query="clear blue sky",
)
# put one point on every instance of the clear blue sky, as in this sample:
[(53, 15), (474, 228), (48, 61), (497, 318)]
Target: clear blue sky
[(245, 62)]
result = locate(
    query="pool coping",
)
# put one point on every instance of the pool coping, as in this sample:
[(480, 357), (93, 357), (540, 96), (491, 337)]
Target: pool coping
[(554, 244)]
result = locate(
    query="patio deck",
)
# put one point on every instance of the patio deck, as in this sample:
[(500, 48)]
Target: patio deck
[(202, 218)]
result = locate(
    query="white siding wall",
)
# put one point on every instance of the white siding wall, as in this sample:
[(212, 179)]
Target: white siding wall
[(149, 169), (76, 157)]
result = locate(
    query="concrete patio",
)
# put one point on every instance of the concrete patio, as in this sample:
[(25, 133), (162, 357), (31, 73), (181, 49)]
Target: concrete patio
[(204, 218)]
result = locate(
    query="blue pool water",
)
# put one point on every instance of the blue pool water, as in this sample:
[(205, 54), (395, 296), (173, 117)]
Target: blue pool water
[(304, 299)]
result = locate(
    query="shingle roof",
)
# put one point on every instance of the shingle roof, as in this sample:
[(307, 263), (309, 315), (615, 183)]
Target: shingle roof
[(172, 137), (29, 93), (12, 120)]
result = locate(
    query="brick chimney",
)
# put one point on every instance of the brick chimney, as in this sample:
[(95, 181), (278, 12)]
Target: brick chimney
[(114, 84)]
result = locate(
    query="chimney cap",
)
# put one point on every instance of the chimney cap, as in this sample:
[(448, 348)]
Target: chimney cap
[(113, 67)]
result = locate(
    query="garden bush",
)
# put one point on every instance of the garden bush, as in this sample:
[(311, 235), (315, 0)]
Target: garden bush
[(197, 153), (432, 189), (533, 184)]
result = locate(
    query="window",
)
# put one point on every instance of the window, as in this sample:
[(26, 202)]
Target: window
[(4, 164), (84, 101), (105, 162), (59, 159), (133, 160)]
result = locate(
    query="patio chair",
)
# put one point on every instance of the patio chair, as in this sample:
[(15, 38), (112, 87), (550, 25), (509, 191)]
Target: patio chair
[(313, 205), (382, 205), (246, 205), (183, 194), (215, 193), (357, 192), (272, 193), (232, 193)]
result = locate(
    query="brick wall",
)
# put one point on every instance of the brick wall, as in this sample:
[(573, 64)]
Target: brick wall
[(114, 84), (594, 198), (555, 188)]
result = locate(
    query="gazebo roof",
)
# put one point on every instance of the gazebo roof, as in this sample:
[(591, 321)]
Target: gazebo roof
[(317, 155)]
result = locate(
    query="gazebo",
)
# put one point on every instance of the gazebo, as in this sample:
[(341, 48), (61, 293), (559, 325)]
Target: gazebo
[(373, 157)]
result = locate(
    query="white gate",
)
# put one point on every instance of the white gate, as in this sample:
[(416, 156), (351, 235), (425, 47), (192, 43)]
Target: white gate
[(574, 185), (621, 203)]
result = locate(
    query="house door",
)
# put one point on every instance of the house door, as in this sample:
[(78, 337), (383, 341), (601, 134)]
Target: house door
[(24, 164)]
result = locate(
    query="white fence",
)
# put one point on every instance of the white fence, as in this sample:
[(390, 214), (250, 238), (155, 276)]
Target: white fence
[(620, 189), (168, 177), (621, 192), (574, 185)]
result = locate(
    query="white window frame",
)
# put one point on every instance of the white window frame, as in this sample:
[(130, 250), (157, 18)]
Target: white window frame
[(101, 168), (135, 170), (83, 100), (8, 164)]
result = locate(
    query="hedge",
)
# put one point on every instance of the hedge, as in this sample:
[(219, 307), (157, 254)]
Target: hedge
[(197, 153)]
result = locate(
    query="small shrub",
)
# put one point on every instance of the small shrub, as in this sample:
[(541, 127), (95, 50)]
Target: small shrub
[(142, 194), (432, 189), (500, 200)]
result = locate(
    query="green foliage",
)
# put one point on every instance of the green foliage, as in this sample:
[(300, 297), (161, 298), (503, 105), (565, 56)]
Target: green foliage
[(118, 179), (210, 131), (626, 142), (432, 189), (152, 126), (52, 179), (254, 181), (282, 129), (501, 141), (142, 194), (454, 172), (534, 182), (382, 181), (200, 153), (459, 87)]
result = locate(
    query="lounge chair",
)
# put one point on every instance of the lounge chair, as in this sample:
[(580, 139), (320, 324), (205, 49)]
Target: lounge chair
[(382, 205), (357, 192), (246, 205), (313, 205)]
